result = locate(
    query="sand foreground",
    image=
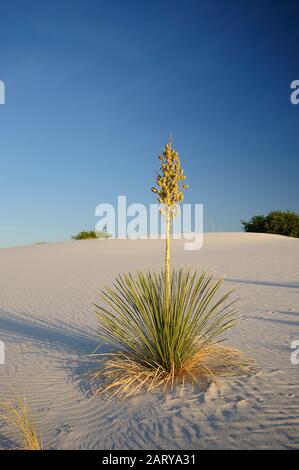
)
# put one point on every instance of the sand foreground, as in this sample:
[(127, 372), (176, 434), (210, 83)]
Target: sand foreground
[(48, 326)]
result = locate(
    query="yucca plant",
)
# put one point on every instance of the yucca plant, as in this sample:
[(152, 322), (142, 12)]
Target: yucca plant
[(156, 345), (164, 327), (19, 419)]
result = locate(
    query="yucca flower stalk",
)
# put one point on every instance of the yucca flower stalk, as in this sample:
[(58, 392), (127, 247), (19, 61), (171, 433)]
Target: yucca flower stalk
[(170, 194)]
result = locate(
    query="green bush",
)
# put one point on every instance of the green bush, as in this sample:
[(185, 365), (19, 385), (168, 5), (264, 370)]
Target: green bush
[(87, 234), (277, 222), (257, 223)]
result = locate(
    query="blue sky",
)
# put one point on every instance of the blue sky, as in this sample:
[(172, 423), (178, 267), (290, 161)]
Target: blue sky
[(93, 89)]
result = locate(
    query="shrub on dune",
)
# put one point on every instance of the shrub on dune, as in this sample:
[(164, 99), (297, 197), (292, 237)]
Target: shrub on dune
[(91, 234), (165, 327), (276, 222)]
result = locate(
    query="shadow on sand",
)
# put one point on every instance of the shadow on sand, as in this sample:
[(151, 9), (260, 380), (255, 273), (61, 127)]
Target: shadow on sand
[(61, 337), (282, 322), (6, 443), (286, 285)]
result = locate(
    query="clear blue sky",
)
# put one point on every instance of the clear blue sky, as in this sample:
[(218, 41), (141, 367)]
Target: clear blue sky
[(93, 89)]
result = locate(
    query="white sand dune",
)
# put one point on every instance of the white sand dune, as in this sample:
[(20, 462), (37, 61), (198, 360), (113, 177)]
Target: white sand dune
[(47, 324)]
